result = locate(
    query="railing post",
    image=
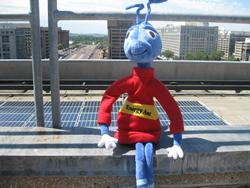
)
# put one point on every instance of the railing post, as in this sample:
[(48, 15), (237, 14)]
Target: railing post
[(36, 61), (54, 66)]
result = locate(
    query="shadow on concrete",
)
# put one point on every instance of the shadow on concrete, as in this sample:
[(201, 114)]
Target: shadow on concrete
[(194, 144), (216, 131), (53, 131)]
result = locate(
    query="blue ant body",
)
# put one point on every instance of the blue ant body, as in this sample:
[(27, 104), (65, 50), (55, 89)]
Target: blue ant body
[(142, 45)]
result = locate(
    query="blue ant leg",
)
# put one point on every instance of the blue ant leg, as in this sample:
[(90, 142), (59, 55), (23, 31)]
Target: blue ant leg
[(149, 153), (140, 161)]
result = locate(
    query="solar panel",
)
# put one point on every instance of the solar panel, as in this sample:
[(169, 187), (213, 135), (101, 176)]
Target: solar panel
[(12, 123), (19, 104), (14, 117), (85, 113), (66, 104), (13, 110), (70, 112)]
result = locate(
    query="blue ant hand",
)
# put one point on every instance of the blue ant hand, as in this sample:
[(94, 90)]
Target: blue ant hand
[(106, 140), (176, 150)]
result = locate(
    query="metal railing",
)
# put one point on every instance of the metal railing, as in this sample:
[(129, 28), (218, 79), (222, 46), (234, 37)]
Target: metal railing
[(33, 18), (55, 15)]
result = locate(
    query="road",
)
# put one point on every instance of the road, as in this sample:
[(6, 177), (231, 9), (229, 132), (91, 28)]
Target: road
[(84, 53)]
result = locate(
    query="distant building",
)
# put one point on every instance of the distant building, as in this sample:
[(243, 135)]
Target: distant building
[(227, 40), (15, 41), (189, 37), (117, 30), (44, 33), (63, 38), (242, 50)]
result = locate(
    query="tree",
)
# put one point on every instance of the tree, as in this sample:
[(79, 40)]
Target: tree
[(167, 53), (206, 57), (176, 58), (221, 53), (104, 49), (60, 46), (189, 56), (231, 58), (216, 55), (88, 39), (199, 55)]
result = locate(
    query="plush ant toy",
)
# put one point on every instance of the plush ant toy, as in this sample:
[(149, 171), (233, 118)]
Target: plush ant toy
[(138, 120)]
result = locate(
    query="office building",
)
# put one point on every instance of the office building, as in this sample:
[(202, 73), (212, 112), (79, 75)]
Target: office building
[(188, 37), (63, 38), (242, 50), (15, 41), (227, 40), (117, 30)]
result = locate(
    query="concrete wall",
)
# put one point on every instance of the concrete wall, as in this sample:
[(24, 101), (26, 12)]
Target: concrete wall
[(115, 69)]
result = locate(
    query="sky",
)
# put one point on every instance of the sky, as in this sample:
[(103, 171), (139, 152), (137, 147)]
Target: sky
[(221, 7)]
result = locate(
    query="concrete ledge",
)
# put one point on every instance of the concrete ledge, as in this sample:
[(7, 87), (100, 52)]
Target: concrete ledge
[(73, 152), (115, 69)]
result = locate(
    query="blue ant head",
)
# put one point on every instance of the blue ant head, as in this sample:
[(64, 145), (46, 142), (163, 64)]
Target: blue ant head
[(142, 43)]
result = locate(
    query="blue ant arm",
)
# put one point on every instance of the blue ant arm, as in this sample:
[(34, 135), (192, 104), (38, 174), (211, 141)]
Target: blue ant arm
[(178, 139), (104, 129)]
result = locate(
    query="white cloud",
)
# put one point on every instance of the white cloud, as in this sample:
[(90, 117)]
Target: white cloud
[(236, 4), (82, 2), (14, 7), (211, 7)]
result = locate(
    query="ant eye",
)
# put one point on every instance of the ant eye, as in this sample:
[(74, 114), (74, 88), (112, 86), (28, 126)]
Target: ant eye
[(129, 33), (151, 34)]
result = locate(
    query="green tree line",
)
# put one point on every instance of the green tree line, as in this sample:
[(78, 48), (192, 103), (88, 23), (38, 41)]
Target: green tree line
[(88, 39), (169, 54), (214, 56)]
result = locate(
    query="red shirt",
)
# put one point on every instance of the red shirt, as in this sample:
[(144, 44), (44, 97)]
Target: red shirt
[(141, 87)]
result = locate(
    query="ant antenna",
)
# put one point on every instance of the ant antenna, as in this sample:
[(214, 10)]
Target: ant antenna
[(141, 6), (148, 13)]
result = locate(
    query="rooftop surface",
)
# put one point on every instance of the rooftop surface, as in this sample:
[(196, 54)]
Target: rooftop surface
[(235, 109), (73, 151)]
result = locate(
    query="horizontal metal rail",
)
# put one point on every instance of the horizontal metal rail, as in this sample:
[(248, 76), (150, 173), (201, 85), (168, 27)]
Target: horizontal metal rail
[(14, 17), (238, 86), (104, 87), (68, 94), (68, 15), (110, 81)]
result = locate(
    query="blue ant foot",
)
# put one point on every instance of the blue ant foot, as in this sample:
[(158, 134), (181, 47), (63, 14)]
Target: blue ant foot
[(151, 186), (142, 183), (142, 186)]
